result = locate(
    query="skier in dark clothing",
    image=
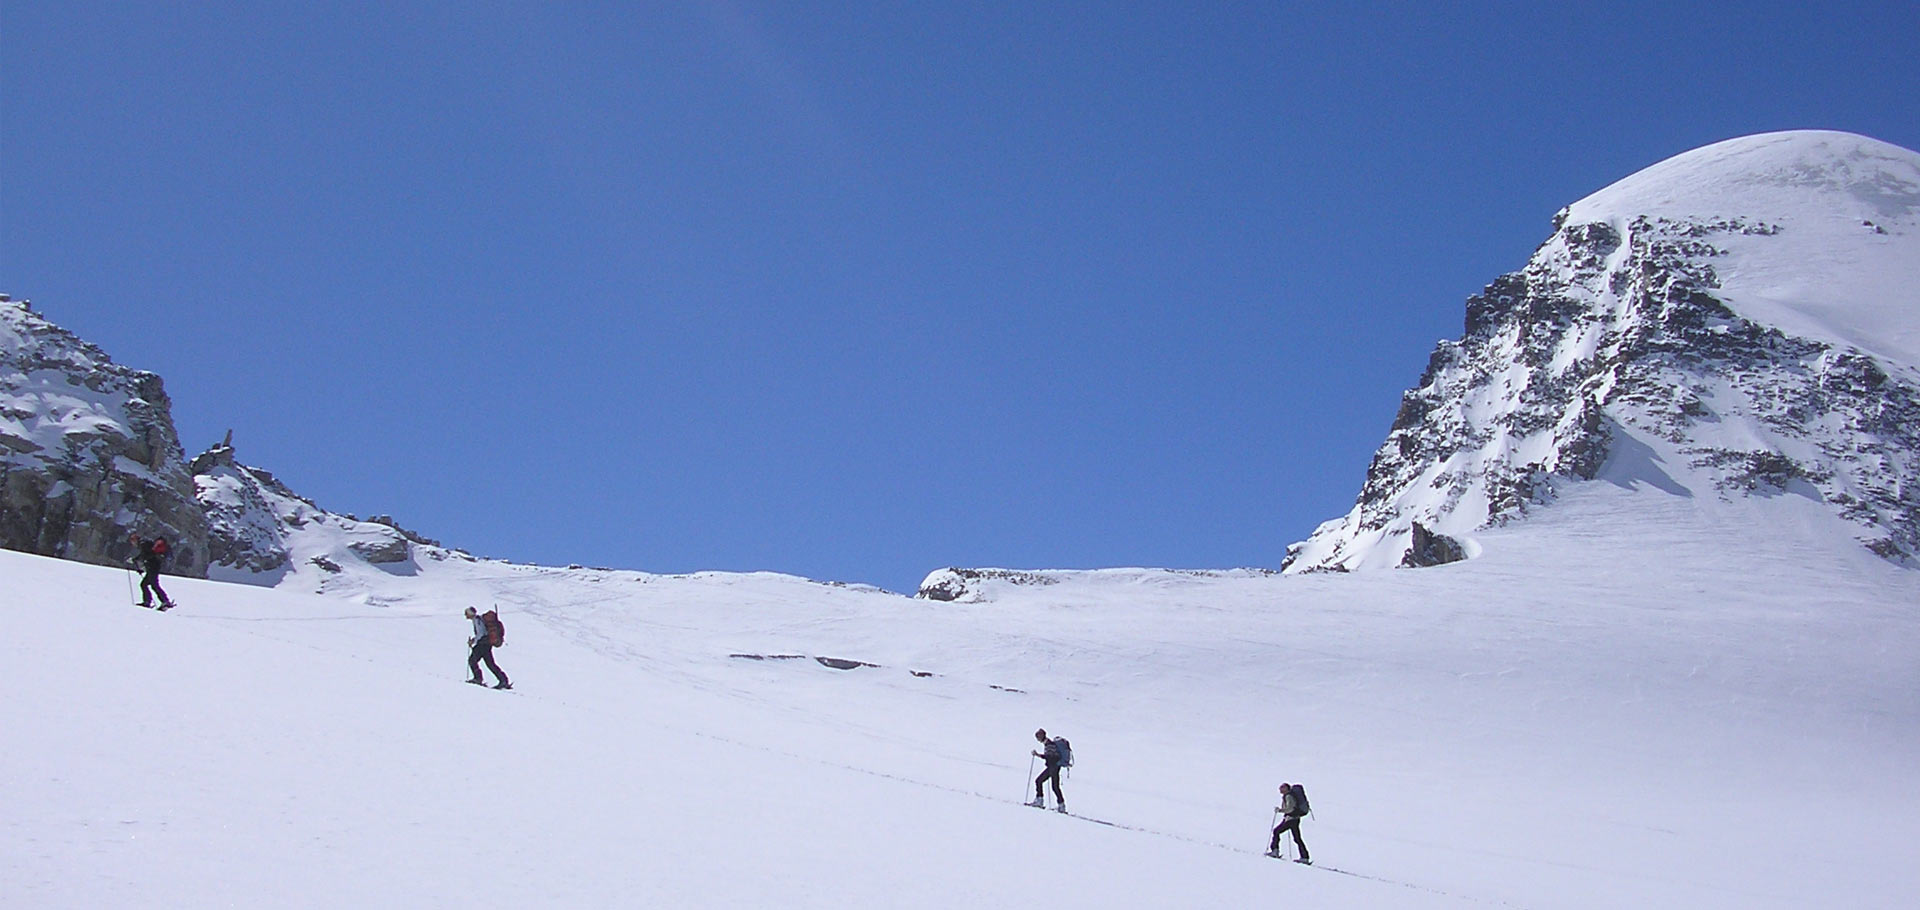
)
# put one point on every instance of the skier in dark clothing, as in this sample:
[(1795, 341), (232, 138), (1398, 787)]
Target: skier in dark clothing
[(481, 644), (1293, 806), (148, 554), (1053, 758)]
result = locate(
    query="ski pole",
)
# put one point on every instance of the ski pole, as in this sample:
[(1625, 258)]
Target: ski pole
[(129, 584), (1272, 823), (1036, 787)]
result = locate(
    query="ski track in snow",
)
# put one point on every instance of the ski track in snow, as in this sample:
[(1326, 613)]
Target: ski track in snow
[(1532, 728)]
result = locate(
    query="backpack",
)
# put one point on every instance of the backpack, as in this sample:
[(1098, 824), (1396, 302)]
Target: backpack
[(496, 632), (159, 546), (1300, 806), (1065, 750)]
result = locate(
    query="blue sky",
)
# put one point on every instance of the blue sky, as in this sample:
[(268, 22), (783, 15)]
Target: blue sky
[(850, 290)]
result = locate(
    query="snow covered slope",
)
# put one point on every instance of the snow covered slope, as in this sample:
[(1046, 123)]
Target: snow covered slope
[(261, 532), (1742, 320), (1722, 726)]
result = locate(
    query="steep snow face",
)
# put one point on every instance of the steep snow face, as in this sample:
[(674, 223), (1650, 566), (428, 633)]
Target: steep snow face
[(1741, 320), (262, 533), (1843, 266), (90, 452)]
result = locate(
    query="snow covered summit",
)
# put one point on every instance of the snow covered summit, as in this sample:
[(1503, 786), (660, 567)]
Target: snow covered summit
[(1742, 320)]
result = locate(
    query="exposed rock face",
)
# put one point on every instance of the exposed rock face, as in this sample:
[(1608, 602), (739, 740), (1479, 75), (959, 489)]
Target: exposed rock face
[(259, 531), (383, 551), (1623, 350), (963, 585), (246, 526), (1430, 549), (90, 452)]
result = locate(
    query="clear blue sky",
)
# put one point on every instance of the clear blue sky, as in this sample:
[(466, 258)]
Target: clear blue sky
[(848, 290)]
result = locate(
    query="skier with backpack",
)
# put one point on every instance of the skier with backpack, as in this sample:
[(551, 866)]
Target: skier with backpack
[(148, 554), (488, 633), (1293, 806), (1058, 754)]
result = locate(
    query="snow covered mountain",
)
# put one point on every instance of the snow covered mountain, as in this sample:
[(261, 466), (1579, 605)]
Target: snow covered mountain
[(1733, 722), (1742, 320), (260, 532), (90, 452)]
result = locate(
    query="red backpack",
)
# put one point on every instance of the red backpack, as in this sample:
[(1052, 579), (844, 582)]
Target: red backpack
[(496, 633), (159, 546)]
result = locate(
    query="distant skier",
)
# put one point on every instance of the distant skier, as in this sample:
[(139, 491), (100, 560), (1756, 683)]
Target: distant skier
[(481, 643), (148, 554), (1055, 756), (1293, 806)]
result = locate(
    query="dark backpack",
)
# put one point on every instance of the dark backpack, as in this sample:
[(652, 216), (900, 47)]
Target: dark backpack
[(496, 633), (1300, 806), (1065, 750)]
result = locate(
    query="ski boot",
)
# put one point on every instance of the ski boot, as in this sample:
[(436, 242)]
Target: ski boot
[(476, 682), (1062, 808), (1038, 803), (503, 684)]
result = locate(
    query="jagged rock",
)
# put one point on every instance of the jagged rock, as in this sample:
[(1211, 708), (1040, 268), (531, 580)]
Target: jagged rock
[(954, 585), (1620, 347), (409, 535), (258, 528), (90, 452), (383, 550), (1430, 549)]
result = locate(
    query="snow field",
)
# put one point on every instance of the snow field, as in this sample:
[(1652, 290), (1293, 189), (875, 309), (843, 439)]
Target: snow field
[(1629, 703)]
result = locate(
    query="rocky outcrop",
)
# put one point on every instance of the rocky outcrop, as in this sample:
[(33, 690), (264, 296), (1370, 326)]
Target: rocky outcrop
[(259, 530), (1430, 549), (88, 452), (1618, 340), (970, 586), (964, 585), (246, 529)]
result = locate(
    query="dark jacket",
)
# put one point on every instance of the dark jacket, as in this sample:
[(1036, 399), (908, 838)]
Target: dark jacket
[(150, 556)]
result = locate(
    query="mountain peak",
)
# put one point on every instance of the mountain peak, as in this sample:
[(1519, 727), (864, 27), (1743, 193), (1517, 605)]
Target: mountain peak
[(1785, 175), (1741, 321)]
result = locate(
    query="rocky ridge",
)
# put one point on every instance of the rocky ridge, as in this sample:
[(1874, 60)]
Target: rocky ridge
[(91, 455), (260, 531), (90, 451), (1634, 347)]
